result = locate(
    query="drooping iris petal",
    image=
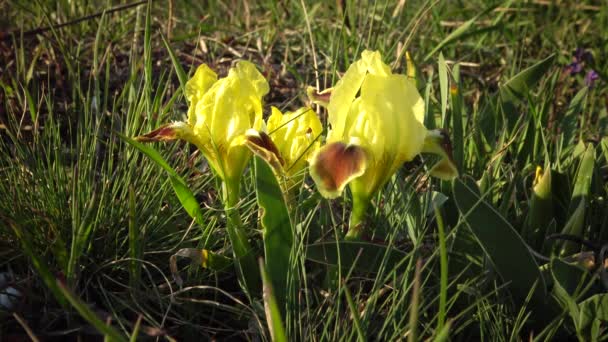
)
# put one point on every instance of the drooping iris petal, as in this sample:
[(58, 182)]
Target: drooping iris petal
[(335, 165)]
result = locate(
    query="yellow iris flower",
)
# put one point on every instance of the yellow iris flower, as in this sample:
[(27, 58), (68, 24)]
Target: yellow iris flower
[(291, 139), (376, 120), (220, 113)]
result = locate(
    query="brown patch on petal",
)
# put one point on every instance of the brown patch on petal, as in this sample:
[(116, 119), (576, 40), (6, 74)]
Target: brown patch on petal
[(163, 133), (446, 168), (262, 145), (335, 165), (446, 144), (321, 98)]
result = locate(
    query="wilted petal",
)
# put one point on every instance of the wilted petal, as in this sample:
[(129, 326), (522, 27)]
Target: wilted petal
[(168, 132)]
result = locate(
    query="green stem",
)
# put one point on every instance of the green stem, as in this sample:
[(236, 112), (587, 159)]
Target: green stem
[(356, 225), (243, 253)]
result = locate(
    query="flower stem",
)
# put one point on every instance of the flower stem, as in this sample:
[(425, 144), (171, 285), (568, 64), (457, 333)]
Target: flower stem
[(356, 226), (244, 255)]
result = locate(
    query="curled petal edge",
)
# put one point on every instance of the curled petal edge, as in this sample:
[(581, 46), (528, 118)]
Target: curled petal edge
[(168, 132), (320, 98), (262, 145)]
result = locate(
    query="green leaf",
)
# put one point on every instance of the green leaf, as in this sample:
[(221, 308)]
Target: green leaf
[(457, 110), (584, 175), (604, 145), (183, 192), (443, 334), (367, 256), (569, 276), (516, 88), (593, 310), (273, 314), (277, 228), (574, 226), (443, 87), (443, 268), (136, 328), (569, 124), (31, 105), (503, 245), (561, 295)]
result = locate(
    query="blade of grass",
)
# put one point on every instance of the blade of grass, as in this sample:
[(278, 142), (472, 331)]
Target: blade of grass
[(415, 303), (457, 33), (135, 238), (89, 315), (135, 331), (443, 264), (355, 314), (443, 88), (181, 74)]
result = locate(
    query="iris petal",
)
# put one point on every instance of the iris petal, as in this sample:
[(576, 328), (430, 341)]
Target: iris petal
[(335, 165)]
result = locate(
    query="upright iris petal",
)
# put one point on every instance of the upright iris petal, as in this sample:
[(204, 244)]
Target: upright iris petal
[(289, 141), (376, 120), (296, 136), (220, 113)]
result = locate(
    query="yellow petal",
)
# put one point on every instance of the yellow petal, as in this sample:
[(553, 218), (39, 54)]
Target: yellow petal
[(411, 68), (373, 61), (335, 165), (542, 183), (196, 87), (295, 135), (385, 100), (343, 95), (225, 111)]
